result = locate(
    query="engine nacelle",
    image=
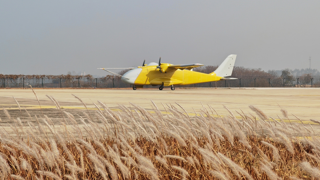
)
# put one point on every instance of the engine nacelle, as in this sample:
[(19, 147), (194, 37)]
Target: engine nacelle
[(164, 67)]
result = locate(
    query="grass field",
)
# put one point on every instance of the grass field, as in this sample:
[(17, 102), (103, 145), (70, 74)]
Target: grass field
[(182, 134)]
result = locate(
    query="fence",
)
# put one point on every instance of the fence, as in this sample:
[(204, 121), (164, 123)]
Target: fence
[(62, 82), (115, 82), (257, 81)]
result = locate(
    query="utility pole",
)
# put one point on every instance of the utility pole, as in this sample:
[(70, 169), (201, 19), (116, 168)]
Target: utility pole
[(113, 82), (310, 63)]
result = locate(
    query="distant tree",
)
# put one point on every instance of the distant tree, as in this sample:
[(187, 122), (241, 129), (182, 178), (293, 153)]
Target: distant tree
[(301, 72), (274, 73), (241, 72), (305, 79), (287, 76)]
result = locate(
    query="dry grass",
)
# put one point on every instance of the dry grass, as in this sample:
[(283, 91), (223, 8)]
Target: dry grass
[(136, 144)]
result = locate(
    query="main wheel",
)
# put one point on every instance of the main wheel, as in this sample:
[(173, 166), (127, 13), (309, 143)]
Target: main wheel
[(172, 88), (160, 88), (134, 87)]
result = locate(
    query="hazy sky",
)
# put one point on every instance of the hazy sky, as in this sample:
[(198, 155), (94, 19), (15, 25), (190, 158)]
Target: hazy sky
[(54, 37)]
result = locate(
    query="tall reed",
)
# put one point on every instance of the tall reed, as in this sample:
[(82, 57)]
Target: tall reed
[(135, 143)]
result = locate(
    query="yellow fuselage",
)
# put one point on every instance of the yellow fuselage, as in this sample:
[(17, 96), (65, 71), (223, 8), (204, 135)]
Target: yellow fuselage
[(151, 75)]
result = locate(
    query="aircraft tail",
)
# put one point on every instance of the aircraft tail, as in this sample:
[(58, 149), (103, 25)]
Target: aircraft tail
[(226, 67)]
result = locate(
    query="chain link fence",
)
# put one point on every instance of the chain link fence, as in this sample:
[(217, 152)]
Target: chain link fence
[(256, 81), (68, 81)]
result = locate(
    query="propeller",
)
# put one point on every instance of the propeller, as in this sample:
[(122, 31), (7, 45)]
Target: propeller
[(143, 62), (159, 66)]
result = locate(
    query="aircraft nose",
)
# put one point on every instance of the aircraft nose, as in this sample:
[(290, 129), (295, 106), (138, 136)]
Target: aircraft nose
[(131, 76), (126, 79)]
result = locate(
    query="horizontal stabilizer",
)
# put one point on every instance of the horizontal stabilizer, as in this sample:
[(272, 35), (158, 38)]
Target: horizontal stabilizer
[(228, 78)]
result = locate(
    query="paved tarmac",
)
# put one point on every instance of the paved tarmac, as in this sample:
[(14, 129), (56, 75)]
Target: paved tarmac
[(302, 102)]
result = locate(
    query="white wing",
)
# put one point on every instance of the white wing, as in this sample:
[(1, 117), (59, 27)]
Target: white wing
[(118, 68), (185, 66), (116, 74)]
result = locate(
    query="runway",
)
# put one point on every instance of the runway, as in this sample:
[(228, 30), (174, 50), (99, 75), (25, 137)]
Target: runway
[(303, 103)]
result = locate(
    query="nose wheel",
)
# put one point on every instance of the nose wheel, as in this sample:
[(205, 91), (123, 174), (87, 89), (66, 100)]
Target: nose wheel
[(172, 88), (134, 87)]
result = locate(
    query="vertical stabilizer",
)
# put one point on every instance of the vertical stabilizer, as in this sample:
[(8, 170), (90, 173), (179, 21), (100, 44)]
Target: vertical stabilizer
[(226, 67)]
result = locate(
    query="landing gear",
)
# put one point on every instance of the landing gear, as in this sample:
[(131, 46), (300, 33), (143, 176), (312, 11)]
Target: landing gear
[(172, 88), (161, 87), (134, 87)]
